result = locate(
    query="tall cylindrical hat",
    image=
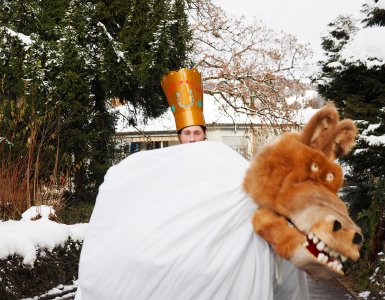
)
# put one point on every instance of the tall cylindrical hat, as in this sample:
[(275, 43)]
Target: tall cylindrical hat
[(184, 94)]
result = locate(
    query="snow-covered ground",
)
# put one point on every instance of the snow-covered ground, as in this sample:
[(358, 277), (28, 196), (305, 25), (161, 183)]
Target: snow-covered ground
[(24, 237)]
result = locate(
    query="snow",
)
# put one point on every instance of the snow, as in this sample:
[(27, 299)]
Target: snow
[(24, 237), (309, 94), (119, 54), (372, 140), (56, 292), (364, 295), (26, 40), (366, 47), (44, 211), (379, 4)]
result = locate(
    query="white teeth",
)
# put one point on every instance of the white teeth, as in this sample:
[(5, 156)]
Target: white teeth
[(320, 246), (322, 258), (333, 253), (335, 265), (339, 267)]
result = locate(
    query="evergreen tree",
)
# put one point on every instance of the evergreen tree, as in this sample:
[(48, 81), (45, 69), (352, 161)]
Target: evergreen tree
[(181, 36), (359, 93), (71, 57)]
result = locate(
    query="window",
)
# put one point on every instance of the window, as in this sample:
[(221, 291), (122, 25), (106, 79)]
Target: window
[(134, 147)]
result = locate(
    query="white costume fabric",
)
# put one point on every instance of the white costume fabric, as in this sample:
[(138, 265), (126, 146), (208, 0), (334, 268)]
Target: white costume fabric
[(173, 224)]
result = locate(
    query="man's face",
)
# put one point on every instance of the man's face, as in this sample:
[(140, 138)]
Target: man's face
[(191, 134)]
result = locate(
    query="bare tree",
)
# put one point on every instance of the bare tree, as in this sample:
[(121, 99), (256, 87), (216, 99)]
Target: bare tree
[(248, 68)]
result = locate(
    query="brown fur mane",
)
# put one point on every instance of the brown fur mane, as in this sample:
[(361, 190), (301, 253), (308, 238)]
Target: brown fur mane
[(296, 178)]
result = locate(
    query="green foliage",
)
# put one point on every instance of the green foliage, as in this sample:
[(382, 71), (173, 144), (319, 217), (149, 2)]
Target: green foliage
[(76, 212), (72, 57), (51, 268), (359, 93), (374, 16)]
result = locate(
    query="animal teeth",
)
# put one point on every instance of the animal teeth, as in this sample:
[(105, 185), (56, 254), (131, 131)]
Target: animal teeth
[(320, 246), (339, 267), (333, 253), (322, 258), (335, 264)]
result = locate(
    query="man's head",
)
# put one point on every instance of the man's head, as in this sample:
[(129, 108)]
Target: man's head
[(184, 93), (191, 134)]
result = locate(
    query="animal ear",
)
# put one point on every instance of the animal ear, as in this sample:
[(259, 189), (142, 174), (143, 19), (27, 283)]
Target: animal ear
[(319, 132), (344, 139)]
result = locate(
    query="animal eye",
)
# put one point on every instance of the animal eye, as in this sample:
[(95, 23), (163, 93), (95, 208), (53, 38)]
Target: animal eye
[(329, 177), (314, 167)]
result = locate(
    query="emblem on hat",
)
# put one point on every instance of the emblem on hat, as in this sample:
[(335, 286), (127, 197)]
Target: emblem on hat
[(184, 93)]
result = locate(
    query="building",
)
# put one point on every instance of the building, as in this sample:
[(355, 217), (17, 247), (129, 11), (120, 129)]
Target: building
[(246, 139), (243, 137)]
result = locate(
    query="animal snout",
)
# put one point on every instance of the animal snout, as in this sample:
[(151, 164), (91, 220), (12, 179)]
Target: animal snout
[(336, 225), (357, 239)]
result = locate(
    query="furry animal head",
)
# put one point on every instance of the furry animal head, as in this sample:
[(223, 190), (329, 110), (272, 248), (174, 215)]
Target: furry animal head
[(295, 183)]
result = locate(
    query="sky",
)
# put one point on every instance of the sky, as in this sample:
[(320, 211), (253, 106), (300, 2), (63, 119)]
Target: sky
[(306, 19), (366, 47)]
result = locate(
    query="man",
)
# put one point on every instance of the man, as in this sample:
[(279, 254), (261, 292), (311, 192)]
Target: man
[(192, 134), (184, 94), (184, 229)]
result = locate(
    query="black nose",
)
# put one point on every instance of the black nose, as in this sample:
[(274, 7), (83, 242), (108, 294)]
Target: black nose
[(337, 225), (357, 239)]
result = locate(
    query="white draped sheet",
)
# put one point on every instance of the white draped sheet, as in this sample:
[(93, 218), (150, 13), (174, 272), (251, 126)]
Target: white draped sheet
[(174, 223)]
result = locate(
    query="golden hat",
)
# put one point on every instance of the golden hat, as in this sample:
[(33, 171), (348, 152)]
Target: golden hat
[(184, 94)]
